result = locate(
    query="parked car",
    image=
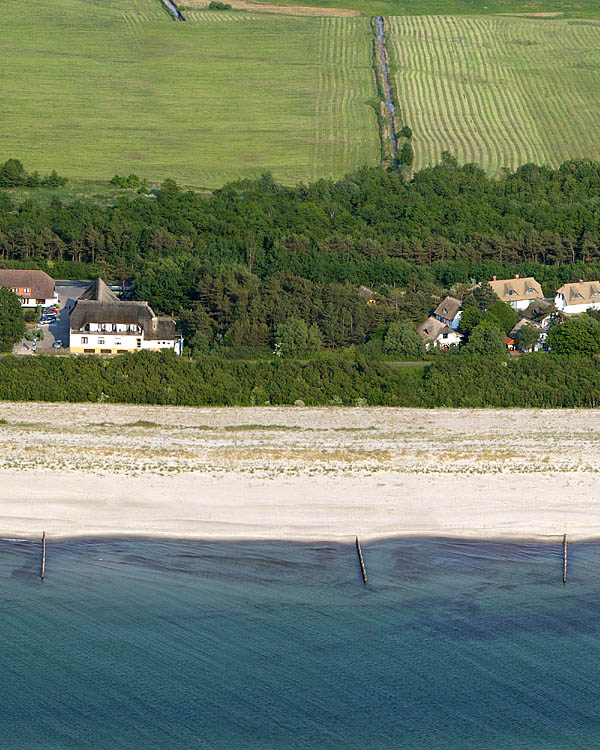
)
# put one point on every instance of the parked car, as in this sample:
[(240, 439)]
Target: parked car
[(52, 309), (57, 344)]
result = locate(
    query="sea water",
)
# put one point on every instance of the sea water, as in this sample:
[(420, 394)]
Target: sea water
[(179, 644)]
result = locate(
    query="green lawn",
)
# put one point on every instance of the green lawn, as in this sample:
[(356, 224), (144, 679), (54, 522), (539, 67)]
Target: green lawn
[(91, 90), (498, 91), (94, 191)]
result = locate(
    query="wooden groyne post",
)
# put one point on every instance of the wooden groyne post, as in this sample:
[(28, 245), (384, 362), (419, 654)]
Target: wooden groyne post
[(564, 559), (43, 570), (363, 569)]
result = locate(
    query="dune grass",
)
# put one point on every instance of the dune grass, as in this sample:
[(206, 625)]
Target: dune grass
[(500, 91), (92, 89)]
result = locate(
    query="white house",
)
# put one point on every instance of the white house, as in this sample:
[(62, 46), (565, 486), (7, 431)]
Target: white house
[(32, 287), (100, 323), (576, 298), (517, 292), (436, 333), (449, 312)]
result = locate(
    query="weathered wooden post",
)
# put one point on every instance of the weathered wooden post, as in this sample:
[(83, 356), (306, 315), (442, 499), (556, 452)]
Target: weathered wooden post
[(363, 569), (43, 571)]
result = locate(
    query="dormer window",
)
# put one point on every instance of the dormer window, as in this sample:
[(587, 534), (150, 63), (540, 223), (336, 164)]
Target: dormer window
[(576, 295), (531, 291), (510, 292), (595, 294)]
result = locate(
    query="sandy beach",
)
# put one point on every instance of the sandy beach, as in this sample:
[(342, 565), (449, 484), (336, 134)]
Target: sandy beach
[(297, 473)]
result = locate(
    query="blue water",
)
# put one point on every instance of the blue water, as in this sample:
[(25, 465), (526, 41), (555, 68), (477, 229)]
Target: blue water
[(152, 644)]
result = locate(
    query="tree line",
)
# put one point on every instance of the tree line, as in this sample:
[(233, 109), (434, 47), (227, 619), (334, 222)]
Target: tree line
[(455, 380), (238, 263)]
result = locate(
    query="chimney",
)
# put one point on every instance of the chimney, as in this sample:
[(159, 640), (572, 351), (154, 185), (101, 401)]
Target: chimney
[(493, 278), (516, 276)]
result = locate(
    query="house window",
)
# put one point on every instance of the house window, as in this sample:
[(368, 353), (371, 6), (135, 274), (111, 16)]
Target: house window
[(139, 343), (576, 295), (510, 292), (105, 351), (117, 343), (89, 351), (100, 341), (84, 339), (14, 290), (531, 291), (26, 291)]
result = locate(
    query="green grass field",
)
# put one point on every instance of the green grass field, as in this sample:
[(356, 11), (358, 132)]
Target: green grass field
[(93, 90), (498, 91), (569, 8)]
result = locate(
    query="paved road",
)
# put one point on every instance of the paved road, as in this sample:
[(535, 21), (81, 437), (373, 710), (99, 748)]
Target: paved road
[(68, 292)]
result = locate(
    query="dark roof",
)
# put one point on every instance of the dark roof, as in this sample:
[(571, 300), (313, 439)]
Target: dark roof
[(100, 292), (431, 328), (166, 328), (90, 311), (39, 282), (516, 329), (538, 309), (99, 305), (448, 308)]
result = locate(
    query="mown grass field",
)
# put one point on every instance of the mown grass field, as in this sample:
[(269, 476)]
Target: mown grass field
[(568, 8), (93, 89), (498, 91)]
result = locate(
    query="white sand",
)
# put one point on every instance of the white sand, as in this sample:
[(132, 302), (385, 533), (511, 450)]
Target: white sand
[(298, 474)]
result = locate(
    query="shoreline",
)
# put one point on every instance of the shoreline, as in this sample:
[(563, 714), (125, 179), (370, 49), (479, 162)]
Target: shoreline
[(536, 508), (288, 474)]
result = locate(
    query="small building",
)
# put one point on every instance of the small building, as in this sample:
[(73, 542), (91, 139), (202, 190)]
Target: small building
[(449, 312), (540, 310), (518, 293), (513, 334), (100, 323), (32, 287), (436, 333), (370, 297), (578, 297)]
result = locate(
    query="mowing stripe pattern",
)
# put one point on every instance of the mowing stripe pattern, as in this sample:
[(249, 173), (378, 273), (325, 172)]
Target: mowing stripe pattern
[(92, 88), (195, 15), (346, 129), (499, 92)]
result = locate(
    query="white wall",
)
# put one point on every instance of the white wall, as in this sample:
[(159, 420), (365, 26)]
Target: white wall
[(166, 344), (561, 304), (33, 302), (115, 328), (126, 341), (451, 339), (110, 340), (521, 304)]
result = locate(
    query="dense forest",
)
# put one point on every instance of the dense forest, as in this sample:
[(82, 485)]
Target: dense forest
[(236, 264), (455, 380)]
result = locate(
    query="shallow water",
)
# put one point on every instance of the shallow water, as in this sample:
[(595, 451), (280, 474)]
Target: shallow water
[(171, 644)]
